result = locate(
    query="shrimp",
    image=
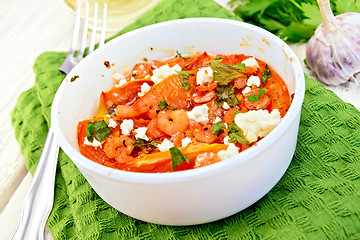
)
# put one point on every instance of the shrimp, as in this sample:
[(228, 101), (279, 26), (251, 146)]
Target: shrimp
[(112, 147), (171, 122), (125, 111), (203, 97), (202, 133), (262, 103), (204, 92), (153, 131), (176, 139), (122, 156), (240, 82), (147, 104)]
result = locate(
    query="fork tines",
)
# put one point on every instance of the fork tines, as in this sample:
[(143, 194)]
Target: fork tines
[(73, 57)]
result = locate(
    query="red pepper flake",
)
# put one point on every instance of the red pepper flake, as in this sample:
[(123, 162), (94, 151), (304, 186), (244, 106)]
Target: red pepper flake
[(107, 64)]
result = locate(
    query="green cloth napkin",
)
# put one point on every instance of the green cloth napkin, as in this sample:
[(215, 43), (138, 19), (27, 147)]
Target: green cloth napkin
[(317, 198)]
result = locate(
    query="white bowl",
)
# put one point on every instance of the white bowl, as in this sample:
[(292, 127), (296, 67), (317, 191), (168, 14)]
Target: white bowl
[(195, 196)]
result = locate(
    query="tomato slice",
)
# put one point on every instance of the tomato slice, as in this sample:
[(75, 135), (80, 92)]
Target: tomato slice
[(94, 153), (161, 161), (199, 61), (125, 94)]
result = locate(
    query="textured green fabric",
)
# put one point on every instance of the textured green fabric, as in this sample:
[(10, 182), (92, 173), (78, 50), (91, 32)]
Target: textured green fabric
[(317, 198)]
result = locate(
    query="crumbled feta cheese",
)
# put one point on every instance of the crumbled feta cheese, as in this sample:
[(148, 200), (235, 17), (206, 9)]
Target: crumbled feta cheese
[(126, 126), (112, 123), (251, 62), (226, 140), (165, 145), (141, 133), (132, 79), (141, 66), (117, 76), (186, 141), (121, 82), (258, 123), (147, 76), (199, 114), (163, 72), (253, 80), (246, 90), (144, 89), (177, 67), (204, 75), (231, 151), (95, 142), (226, 106), (217, 119)]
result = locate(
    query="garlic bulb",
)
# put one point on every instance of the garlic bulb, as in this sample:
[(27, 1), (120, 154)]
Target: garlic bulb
[(333, 53)]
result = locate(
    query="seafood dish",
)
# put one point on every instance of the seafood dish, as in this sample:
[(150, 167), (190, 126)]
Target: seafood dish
[(184, 112)]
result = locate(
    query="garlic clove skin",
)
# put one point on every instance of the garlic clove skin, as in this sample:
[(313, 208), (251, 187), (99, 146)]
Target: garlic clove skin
[(333, 53)]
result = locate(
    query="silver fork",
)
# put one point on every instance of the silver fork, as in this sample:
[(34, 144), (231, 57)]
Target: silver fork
[(39, 199), (71, 60)]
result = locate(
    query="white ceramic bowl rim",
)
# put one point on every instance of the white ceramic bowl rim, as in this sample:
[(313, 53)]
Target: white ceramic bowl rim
[(216, 168)]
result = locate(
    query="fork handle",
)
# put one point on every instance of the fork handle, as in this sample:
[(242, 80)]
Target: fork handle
[(39, 198)]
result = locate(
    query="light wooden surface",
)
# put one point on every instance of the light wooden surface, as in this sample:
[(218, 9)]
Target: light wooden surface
[(28, 28)]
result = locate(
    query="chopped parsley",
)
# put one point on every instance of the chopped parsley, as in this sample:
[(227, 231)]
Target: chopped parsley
[(218, 128), (236, 112), (184, 75), (254, 98), (178, 55), (265, 74), (163, 105), (225, 73), (177, 157), (236, 134), (100, 130), (225, 94), (146, 146)]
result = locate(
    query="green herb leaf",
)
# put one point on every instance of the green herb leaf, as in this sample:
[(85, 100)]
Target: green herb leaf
[(236, 112), (185, 84), (100, 130), (144, 143), (146, 146), (218, 128), (185, 79), (254, 98), (225, 94), (236, 134), (178, 54), (225, 73), (240, 66), (265, 74), (177, 157), (234, 137), (163, 104), (294, 20)]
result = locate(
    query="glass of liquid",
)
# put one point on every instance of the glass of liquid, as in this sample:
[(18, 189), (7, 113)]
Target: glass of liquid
[(119, 12)]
